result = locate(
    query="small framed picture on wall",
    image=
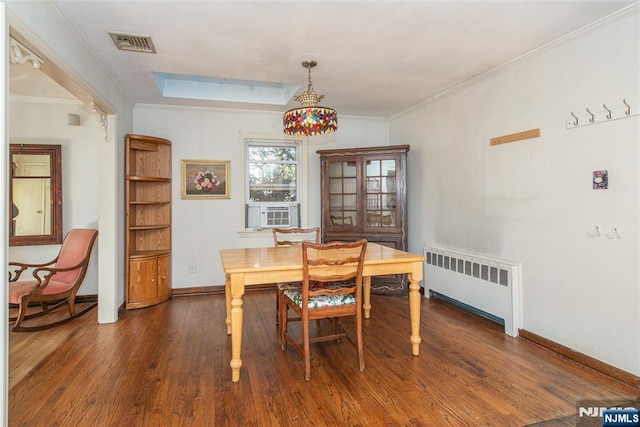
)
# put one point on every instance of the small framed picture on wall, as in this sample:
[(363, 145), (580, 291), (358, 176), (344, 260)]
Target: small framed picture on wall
[(205, 179), (601, 180)]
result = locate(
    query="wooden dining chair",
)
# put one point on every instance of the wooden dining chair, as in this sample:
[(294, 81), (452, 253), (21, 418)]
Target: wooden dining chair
[(56, 282), (335, 270), (291, 237)]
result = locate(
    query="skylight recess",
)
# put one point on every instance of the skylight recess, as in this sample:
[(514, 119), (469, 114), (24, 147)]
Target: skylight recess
[(222, 89)]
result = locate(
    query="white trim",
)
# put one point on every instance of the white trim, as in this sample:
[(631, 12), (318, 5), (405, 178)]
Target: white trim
[(109, 251), (303, 189), (44, 100), (4, 219)]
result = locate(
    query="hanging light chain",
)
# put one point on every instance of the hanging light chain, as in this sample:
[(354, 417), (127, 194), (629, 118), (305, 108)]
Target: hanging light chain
[(310, 85)]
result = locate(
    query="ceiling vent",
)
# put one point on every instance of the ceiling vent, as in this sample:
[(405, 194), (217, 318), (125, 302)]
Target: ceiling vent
[(133, 42)]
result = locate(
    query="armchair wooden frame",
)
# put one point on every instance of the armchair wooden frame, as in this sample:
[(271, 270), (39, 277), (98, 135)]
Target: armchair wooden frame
[(335, 271), (55, 283)]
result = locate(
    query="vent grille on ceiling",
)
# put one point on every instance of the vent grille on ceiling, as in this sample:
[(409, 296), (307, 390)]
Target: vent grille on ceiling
[(133, 42)]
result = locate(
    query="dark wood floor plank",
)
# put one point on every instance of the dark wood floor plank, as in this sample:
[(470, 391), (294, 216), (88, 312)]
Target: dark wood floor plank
[(169, 365)]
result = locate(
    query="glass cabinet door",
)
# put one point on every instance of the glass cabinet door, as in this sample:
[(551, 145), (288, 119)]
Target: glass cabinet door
[(343, 194), (363, 196), (381, 187)]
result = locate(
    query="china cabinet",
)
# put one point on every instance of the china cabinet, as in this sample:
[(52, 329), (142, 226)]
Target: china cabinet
[(364, 195), (148, 220)]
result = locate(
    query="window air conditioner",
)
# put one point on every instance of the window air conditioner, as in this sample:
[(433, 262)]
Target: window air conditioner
[(275, 216)]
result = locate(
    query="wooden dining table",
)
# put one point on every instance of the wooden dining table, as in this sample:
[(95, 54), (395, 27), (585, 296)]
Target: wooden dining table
[(254, 266)]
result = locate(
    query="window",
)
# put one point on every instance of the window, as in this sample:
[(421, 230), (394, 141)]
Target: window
[(273, 183)]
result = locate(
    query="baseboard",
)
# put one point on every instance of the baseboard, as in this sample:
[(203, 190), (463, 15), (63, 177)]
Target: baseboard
[(121, 310), (215, 290), (94, 298), (618, 374), (86, 298), (199, 290)]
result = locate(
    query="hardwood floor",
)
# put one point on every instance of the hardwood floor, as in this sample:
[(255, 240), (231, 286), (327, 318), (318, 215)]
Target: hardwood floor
[(169, 365)]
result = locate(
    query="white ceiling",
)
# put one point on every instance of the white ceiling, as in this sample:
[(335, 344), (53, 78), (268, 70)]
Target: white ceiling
[(375, 58)]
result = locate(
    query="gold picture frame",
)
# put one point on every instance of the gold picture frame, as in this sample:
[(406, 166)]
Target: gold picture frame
[(206, 179)]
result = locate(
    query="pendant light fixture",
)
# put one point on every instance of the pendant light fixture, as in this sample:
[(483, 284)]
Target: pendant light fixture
[(310, 119)]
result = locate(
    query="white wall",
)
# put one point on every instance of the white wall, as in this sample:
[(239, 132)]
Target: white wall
[(532, 200), (41, 23), (46, 123), (202, 227), (4, 238)]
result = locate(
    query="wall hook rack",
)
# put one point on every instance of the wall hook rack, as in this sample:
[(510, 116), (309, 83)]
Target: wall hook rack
[(606, 115)]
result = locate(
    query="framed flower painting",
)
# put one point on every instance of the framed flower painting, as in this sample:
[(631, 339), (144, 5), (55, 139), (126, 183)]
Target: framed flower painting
[(205, 179)]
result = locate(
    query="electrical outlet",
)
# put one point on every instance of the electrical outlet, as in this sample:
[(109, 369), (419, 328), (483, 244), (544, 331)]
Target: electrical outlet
[(192, 267)]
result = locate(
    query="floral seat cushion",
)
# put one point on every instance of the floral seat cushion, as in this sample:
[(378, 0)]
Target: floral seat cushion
[(321, 300)]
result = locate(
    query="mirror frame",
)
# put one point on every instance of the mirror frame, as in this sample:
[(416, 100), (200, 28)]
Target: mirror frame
[(55, 173)]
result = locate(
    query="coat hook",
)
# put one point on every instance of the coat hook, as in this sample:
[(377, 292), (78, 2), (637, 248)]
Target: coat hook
[(615, 233), (574, 116), (592, 119), (628, 112), (608, 111)]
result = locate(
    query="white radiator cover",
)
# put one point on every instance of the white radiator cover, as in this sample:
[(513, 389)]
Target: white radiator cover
[(483, 282)]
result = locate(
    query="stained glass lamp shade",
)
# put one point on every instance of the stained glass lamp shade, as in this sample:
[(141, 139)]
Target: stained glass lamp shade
[(310, 119)]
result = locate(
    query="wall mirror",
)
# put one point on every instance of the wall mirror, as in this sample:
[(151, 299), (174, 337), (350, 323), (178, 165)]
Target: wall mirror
[(35, 191)]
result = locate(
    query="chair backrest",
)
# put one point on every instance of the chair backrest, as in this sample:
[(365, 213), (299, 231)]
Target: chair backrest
[(76, 248), (295, 236), (333, 262)]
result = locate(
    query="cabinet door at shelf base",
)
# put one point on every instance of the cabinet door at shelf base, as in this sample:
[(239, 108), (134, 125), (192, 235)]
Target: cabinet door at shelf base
[(149, 281), (164, 276)]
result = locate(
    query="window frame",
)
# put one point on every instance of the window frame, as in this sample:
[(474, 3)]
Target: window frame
[(247, 140)]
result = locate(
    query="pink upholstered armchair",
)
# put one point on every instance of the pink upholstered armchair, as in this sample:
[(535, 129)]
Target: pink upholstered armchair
[(55, 282)]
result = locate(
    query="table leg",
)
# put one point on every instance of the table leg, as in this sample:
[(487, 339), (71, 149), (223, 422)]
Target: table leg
[(366, 303), (237, 290), (414, 307), (227, 297)]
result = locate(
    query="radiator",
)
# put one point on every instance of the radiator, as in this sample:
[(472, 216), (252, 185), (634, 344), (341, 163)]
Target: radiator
[(483, 283)]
